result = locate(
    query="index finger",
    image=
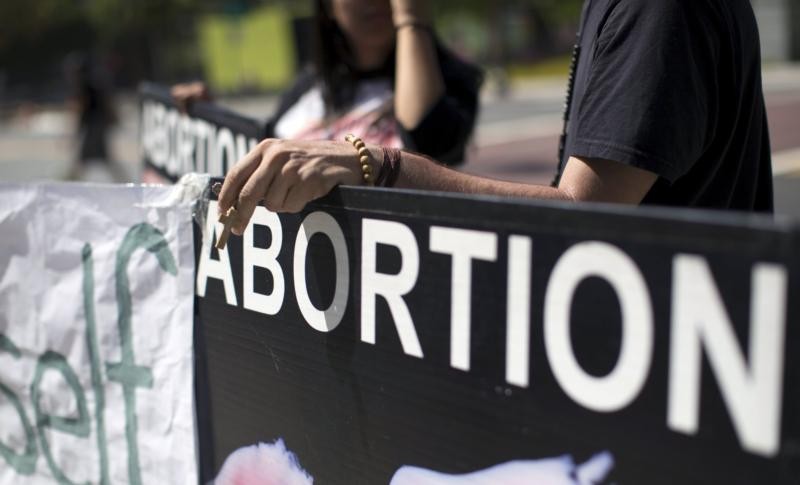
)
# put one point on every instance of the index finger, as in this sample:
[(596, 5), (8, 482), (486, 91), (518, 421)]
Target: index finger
[(238, 176)]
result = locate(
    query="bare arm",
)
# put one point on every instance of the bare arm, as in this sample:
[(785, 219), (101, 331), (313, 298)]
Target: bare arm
[(419, 83), (287, 175), (588, 180)]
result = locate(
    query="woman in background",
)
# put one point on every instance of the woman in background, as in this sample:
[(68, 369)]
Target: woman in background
[(380, 71), (95, 116)]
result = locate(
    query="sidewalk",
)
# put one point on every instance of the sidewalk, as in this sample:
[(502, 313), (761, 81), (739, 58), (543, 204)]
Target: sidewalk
[(786, 163)]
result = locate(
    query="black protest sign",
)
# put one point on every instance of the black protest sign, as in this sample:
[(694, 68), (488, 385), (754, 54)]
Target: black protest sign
[(205, 139), (378, 330), (401, 337)]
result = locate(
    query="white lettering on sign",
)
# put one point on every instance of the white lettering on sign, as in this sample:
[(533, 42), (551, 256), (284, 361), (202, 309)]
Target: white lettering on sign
[(253, 257), (518, 311), (391, 287), (322, 223), (618, 389), (203, 130), (178, 144), (186, 145), (174, 141), (464, 246), (207, 267), (752, 393), (750, 384)]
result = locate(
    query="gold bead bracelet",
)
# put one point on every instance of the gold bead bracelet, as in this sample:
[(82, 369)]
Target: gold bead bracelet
[(364, 157)]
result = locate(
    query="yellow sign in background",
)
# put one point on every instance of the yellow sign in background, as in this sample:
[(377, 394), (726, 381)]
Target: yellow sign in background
[(253, 51)]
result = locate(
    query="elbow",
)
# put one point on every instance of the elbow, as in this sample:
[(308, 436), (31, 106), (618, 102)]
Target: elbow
[(408, 121), (412, 115), (567, 194)]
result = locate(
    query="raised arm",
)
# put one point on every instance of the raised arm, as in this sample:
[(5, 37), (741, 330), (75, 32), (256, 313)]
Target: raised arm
[(419, 83)]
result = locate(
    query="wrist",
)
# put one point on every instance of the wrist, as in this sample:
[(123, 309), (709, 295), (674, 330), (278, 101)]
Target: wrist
[(413, 25), (376, 162), (407, 18), (409, 15), (364, 165)]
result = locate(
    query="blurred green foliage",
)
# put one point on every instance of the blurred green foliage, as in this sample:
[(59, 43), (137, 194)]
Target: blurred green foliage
[(158, 38), (27, 19)]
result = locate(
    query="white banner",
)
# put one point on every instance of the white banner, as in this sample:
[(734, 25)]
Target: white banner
[(96, 315)]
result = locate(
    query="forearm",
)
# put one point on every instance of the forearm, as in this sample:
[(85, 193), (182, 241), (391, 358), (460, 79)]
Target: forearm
[(286, 175), (419, 83), (418, 172)]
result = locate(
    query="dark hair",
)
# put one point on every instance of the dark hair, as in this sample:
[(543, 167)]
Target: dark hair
[(334, 62)]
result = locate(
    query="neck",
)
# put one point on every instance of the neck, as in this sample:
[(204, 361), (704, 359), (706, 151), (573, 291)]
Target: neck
[(369, 56)]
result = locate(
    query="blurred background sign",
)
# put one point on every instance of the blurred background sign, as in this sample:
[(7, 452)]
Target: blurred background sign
[(248, 51)]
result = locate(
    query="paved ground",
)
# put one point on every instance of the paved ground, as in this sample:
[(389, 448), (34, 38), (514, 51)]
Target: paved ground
[(516, 138)]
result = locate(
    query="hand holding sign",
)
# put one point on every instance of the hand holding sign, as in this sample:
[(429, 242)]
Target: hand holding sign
[(287, 175), (187, 93)]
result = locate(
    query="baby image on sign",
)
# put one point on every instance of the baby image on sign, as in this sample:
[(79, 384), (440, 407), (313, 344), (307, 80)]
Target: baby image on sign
[(273, 464)]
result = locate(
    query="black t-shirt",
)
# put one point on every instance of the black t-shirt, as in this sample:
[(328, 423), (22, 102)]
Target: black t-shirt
[(674, 87)]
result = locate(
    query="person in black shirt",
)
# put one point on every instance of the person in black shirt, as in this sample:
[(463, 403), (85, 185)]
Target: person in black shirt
[(667, 108), (673, 87)]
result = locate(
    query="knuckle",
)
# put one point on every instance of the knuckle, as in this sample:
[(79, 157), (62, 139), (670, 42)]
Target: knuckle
[(247, 194), (293, 208), (265, 146), (233, 172), (273, 204), (276, 148), (309, 173), (291, 167)]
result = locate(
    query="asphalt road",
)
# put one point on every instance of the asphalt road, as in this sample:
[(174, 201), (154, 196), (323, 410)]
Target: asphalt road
[(533, 156)]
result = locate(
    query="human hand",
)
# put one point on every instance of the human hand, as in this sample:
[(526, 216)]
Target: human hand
[(287, 175), (408, 11), (187, 93)]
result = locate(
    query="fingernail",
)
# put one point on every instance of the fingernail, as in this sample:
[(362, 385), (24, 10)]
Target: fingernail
[(216, 188)]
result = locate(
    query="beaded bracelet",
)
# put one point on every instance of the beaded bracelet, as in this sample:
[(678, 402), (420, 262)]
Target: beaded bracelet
[(414, 24), (364, 157)]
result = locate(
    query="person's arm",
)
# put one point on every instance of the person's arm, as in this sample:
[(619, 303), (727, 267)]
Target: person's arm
[(419, 84), (287, 175), (187, 93), (584, 180)]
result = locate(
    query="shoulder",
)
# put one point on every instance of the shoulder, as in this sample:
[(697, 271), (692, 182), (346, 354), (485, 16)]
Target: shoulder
[(654, 21), (656, 12), (656, 7)]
